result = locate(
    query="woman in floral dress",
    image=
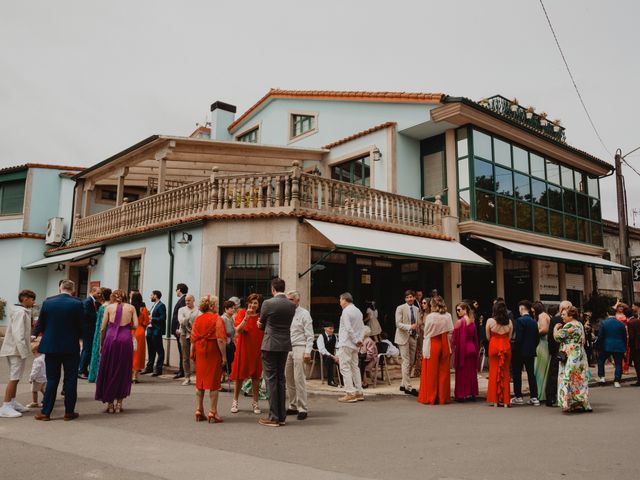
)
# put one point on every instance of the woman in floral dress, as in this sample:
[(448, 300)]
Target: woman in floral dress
[(573, 376)]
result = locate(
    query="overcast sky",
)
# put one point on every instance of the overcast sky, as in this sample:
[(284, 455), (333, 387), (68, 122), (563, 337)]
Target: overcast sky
[(82, 80)]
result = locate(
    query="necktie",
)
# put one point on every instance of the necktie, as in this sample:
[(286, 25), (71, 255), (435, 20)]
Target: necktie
[(413, 320)]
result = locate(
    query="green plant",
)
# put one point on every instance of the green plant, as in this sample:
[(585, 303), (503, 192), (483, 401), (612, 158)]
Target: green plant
[(3, 306)]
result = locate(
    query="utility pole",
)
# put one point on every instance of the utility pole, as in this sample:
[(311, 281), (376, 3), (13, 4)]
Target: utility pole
[(623, 231)]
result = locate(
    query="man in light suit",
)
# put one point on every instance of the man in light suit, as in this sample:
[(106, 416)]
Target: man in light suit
[(155, 330), (60, 323), (406, 325), (181, 292), (90, 306), (276, 316)]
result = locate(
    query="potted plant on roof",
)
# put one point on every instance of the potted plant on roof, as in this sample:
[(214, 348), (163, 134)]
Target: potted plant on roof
[(543, 119), (556, 125), (484, 102), (529, 112), (514, 105)]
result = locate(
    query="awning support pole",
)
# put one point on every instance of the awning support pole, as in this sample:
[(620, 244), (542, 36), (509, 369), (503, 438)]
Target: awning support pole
[(300, 275)]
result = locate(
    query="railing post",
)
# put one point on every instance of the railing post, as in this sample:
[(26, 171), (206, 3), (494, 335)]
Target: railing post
[(295, 185)]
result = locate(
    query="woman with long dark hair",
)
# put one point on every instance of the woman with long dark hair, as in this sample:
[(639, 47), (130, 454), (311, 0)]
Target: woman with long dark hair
[(465, 354), (139, 354), (499, 329), (543, 359)]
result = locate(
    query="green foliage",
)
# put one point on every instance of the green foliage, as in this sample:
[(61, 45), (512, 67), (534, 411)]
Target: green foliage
[(3, 306)]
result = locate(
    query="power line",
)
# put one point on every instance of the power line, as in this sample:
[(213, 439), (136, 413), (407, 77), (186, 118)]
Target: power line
[(629, 165), (566, 64)]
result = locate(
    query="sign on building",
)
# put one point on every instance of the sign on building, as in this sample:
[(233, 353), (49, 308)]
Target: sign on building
[(635, 268)]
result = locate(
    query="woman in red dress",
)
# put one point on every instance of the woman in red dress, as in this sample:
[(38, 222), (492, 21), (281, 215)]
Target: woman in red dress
[(247, 362), (139, 334), (499, 329), (208, 350)]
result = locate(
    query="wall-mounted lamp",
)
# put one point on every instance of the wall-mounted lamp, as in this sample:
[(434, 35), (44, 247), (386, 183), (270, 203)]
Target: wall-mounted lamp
[(60, 267), (93, 262), (185, 240), (377, 156)]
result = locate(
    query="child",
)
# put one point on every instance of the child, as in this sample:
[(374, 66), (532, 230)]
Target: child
[(38, 378), (17, 348), (326, 343)]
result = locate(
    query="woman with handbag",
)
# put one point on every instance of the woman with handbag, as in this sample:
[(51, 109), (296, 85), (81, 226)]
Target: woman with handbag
[(139, 344), (573, 375)]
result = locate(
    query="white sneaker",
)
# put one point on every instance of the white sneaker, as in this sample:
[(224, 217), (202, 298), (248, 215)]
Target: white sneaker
[(534, 401), (256, 408), (601, 380), (7, 411), (34, 405), (517, 401), (187, 381), (617, 384), (234, 406), (18, 407)]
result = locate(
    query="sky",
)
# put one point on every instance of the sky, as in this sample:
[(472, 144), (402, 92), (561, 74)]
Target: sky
[(82, 80)]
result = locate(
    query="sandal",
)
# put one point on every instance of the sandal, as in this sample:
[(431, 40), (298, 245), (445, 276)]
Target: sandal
[(214, 417), (256, 408), (234, 406), (119, 408), (199, 416), (110, 408)]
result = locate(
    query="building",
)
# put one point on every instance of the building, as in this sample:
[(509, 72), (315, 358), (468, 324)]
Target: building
[(609, 282), (368, 192)]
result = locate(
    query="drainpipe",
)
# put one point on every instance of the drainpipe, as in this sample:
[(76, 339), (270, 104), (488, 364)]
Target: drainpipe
[(170, 296)]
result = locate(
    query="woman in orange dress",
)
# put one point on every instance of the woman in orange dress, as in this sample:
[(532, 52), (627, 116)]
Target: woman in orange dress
[(435, 379), (247, 362), (139, 335), (499, 329), (208, 350)]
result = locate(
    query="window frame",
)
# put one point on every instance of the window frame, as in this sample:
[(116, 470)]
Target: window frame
[(3, 185), (255, 127), (314, 115)]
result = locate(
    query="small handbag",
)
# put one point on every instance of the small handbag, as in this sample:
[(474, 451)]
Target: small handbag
[(562, 356)]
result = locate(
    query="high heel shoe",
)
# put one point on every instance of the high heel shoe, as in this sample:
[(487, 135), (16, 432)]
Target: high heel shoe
[(256, 408), (214, 417), (199, 416), (110, 408), (118, 408)]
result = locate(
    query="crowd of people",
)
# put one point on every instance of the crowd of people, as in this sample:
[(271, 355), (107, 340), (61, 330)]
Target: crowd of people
[(263, 349)]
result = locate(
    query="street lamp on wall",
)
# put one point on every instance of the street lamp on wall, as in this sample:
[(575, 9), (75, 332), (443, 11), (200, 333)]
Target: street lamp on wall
[(185, 240), (375, 153)]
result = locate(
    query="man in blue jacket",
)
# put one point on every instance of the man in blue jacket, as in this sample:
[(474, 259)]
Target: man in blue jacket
[(523, 352), (60, 323), (612, 341), (90, 306), (155, 331)]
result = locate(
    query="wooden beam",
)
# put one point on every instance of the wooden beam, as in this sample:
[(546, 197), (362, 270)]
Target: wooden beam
[(162, 174), (215, 158)]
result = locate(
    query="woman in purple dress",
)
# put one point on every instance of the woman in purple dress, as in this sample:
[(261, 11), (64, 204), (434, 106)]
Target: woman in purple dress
[(465, 350), (116, 352)]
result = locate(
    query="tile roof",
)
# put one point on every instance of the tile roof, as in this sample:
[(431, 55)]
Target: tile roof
[(6, 236), (363, 133), (351, 96), (25, 166)]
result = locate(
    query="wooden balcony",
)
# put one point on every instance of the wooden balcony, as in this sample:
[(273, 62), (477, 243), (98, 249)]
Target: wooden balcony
[(289, 192)]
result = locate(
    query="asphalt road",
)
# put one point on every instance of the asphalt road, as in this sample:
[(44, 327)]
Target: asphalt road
[(389, 437)]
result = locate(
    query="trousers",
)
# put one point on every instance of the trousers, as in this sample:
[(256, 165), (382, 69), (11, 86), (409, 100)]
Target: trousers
[(517, 361), (296, 379), (180, 355), (54, 362), (350, 370), (408, 355), (617, 358), (87, 348), (155, 347), (185, 344), (273, 365)]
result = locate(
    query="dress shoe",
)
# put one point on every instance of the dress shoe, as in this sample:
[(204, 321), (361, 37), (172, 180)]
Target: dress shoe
[(332, 384), (637, 384), (42, 417), (348, 398), (178, 375), (268, 422), (82, 376), (402, 389), (71, 416), (302, 415), (156, 374), (360, 397), (145, 371), (292, 411)]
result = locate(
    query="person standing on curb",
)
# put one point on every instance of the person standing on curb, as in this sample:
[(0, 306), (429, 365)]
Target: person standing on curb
[(181, 291), (350, 339), (301, 346), (406, 339)]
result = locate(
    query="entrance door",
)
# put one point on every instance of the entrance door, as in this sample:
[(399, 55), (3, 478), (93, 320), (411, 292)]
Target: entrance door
[(517, 281)]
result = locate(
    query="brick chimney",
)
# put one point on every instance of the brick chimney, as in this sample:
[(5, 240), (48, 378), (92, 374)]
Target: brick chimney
[(222, 115)]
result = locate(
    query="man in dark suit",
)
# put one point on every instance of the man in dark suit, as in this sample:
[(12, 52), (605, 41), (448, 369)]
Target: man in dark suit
[(60, 323), (276, 316), (181, 292), (155, 331), (612, 340), (90, 306), (523, 352)]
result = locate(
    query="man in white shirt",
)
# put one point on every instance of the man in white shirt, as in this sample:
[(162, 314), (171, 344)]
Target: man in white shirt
[(186, 316), (350, 339), (327, 347), (301, 344), (17, 348)]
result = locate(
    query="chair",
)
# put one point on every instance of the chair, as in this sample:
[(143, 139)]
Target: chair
[(315, 353), (382, 363), (483, 356)]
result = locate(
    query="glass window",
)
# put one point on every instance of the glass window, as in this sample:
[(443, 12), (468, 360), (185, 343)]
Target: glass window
[(522, 188), (595, 209), (482, 145), (570, 201), (502, 152), (583, 230), (571, 227), (463, 173), (540, 220), (505, 212), (538, 192), (484, 174), (523, 216), (504, 181), (250, 137), (553, 172), (356, 171), (463, 143), (555, 222), (485, 207), (301, 124), (593, 187), (135, 270), (248, 270), (567, 177), (464, 205), (554, 197), (537, 166), (11, 197), (582, 203), (520, 160), (596, 233), (580, 180)]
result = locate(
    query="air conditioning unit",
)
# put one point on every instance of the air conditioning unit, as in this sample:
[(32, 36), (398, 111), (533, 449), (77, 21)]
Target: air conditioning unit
[(55, 231)]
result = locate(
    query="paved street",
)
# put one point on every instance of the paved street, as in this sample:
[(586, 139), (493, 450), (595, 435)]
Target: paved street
[(385, 437)]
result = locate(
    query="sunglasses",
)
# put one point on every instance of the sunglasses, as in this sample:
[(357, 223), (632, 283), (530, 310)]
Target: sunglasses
[(425, 303)]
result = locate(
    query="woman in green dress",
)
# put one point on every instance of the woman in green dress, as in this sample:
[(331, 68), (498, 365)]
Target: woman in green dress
[(95, 352), (573, 376), (541, 367)]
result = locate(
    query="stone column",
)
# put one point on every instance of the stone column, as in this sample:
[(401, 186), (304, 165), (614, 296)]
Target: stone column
[(452, 283), (562, 281), (122, 173), (588, 280)]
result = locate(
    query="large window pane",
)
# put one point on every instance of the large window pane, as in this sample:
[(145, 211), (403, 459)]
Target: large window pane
[(524, 216), (583, 230), (538, 192), (248, 270), (481, 145), (502, 152), (11, 197), (505, 212), (537, 166), (464, 205), (596, 233), (571, 227), (520, 160), (484, 175), (553, 172), (462, 142), (554, 196), (595, 209), (555, 222), (567, 177), (485, 207), (522, 188), (540, 220), (570, 201), (582, 205), (580, 181), (504, 181), (593, 187), (463, 173)]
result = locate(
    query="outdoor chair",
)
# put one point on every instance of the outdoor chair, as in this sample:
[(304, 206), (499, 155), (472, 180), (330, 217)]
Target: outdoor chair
[(381, 363)]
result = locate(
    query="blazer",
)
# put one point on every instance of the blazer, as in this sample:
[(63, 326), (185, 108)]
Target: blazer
[(634, 334), (158, 325), (175, 324), (17, 338), (61, 320), (90, 313), (612, 336), (526, 337), (403, 322), (276, 316)]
